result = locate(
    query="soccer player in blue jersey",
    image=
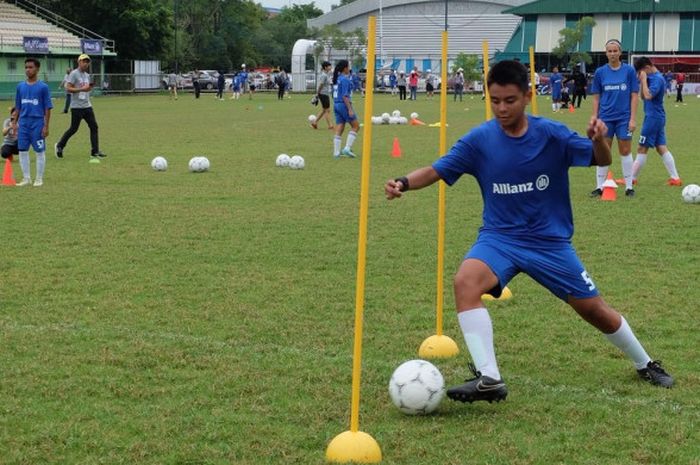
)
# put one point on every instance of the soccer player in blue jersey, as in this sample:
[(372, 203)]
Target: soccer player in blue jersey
[(653, 132), (33, 104), (615, 89), (344, 113), (521, 163), (555, 82)]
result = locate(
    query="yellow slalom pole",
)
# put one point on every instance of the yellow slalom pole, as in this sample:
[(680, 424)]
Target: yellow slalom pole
[(354, 445), (440, 346), (487, 100), (533, 87)]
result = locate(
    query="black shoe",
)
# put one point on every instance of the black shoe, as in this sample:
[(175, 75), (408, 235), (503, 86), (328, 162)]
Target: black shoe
[(58, 151), (629, 192), (478, 388), (596, 192), (655, 374), (99, 154)]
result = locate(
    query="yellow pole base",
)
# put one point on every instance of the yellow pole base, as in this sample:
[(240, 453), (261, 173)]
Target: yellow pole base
[(505, 295), (438, 347), (353, 446)]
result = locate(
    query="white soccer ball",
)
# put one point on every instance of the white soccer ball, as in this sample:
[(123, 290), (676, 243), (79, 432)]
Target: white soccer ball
[(396, 113), (198, 164), (691, 193), (312, 118), (385, 118), (417, 387), (414, 115), (159, 164), (282, 160), (394, 120), (297, 162), (377, 120), (403, 120)]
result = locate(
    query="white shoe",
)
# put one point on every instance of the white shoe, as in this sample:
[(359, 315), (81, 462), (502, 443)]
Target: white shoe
[(38, 182), (24, 182)]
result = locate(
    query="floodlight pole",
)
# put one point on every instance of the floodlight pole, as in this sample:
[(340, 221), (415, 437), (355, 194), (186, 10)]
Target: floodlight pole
[(175, 26)]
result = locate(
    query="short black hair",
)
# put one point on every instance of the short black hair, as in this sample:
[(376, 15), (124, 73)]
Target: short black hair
[(325, 63), (33, 60), (641, 62), (509, 72)]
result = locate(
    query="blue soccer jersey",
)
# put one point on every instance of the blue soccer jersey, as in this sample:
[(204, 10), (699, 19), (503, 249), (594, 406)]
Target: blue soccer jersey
[(32, 100), (654, 108), (615, 88), (343, 88), (555, 81), (524, 180)]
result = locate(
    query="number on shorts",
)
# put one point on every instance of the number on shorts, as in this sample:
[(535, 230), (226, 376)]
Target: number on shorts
[(588, 280), (642, 139), (40, 144)]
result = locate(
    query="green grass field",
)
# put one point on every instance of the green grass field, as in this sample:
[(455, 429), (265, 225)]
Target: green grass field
[(178, 318)]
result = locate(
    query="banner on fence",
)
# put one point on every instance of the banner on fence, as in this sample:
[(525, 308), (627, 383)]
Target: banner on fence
[(91, 46), (35, 44)]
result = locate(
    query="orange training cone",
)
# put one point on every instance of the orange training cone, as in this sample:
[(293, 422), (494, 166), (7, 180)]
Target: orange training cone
[(609, 189), (571, 108), (416, 122), (7, 178), (396, 149)]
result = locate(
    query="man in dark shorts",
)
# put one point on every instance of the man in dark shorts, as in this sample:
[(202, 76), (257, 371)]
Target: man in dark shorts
[(323, 93)]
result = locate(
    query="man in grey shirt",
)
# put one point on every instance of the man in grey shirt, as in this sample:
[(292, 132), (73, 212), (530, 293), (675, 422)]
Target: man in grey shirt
[(79, 86), (323, 93)]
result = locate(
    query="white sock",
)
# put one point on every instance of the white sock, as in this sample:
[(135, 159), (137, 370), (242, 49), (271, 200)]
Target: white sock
[(639, 163), (554, 107), (670, 164), (601, 175), (625, 340), (336, 145), (478, 334), (40, 164), (24, 164), (351, 139), (627, 162)]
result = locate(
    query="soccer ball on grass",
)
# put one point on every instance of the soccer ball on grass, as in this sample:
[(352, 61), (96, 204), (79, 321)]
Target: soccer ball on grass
[(296, 162), (417, 387), (159, 164), (312, 119), (691, 193), (199, 164), (282, 160)]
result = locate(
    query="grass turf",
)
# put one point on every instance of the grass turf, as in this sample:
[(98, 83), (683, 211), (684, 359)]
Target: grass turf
[(186, 318)]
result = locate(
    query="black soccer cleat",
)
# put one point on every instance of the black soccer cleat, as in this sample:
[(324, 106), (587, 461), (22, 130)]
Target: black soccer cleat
[(655, 374), (629, 192), (597, 193), (479, 388)]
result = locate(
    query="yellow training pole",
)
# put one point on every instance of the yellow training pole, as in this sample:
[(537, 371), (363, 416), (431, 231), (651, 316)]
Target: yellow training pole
[(354, 445), (532, 82), (487, 99), (440, 346)]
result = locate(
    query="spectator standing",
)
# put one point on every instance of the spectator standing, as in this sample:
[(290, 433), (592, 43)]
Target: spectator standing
[(195, 83), (401, 84), (413, 83), (33, 104), (80, 86), (172, 86), (323, 93), (220, 84), (680, 80), (9, 136), (429, 83), (392, 82), (281, 81), (68, 95), (459, 84)]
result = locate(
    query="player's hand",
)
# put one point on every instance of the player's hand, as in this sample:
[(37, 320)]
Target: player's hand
[(632, 125), (642, 76), (597, 130), (392, 189)]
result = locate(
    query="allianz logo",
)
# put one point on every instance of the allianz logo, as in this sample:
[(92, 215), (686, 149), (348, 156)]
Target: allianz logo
[(505, 188), (32, 101)]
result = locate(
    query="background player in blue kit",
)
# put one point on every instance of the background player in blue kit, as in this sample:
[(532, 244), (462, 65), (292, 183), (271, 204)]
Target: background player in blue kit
[(555, 82), (653, 132), (344, 113), (33, 104), (615, 89), (521, 163)]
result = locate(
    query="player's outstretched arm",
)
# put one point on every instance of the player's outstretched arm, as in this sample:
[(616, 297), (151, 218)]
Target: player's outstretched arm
[(597, 131), (418, 179)]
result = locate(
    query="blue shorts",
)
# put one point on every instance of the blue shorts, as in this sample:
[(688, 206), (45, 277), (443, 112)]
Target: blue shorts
[(619, 129), (653, 132), (556, 95), (30, 134), (554, 266), (341, 114)]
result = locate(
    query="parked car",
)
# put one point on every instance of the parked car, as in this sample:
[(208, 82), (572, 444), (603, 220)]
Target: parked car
[(208, 79)]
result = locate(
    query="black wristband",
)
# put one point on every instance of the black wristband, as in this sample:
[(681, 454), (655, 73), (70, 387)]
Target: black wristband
[(404, 183)]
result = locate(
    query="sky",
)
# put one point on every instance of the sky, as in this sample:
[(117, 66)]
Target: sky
[(324, 5)]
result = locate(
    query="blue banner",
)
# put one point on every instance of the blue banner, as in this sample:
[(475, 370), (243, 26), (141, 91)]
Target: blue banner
[(91, 46), (36, 44)]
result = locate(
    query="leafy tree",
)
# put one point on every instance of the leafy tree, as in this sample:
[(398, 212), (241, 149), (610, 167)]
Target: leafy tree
[(470, 66), (342, 3), (329, 38), (570, 38)]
